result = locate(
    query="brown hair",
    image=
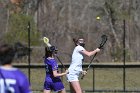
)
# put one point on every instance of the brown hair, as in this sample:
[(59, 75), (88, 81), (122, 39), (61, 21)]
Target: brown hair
[(6, 54), (48, 53)]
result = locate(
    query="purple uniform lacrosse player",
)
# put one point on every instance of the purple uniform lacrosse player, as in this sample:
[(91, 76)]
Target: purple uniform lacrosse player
[(52, 79), (16, 81), (12, 80)]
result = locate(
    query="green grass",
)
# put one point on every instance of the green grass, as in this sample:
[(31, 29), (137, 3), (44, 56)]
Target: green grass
[(105, 79)]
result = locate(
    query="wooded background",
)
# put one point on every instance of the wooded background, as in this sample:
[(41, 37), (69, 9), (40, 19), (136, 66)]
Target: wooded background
[(63, 20)]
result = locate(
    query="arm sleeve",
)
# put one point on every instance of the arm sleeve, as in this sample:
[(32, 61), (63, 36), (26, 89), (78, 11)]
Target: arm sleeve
[(80, 48)]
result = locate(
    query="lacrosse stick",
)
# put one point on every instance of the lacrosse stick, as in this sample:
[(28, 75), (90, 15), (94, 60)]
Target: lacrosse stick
[(103, 41)]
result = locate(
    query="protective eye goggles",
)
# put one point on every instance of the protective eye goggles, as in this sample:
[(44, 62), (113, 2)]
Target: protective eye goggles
[(81, 40)]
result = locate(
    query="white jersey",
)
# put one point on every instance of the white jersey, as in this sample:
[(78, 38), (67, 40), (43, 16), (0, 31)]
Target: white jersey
[(77, 58)]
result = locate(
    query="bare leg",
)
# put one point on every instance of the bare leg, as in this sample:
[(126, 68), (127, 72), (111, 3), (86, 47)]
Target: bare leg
[(76, 86), (47, 91), (62, 91), (71, 89)]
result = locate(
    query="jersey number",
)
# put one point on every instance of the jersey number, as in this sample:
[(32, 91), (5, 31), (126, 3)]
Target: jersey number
[(9, 82)]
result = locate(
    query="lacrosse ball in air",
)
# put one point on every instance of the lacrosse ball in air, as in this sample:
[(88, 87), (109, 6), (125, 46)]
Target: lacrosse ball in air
[(98, 18)]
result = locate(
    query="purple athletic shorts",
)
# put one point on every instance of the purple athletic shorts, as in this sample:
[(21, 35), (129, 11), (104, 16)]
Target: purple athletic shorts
[(55, 85)]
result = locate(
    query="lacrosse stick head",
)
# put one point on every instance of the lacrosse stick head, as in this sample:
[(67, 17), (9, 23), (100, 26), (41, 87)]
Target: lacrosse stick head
[(103, 41), (46, 41)]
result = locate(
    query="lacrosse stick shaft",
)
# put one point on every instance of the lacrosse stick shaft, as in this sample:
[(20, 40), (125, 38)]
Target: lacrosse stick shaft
[(61, 62), (89, 65), (48, 44)]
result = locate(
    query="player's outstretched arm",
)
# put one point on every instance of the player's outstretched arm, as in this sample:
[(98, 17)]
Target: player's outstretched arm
[(90, 53), (56, 74)]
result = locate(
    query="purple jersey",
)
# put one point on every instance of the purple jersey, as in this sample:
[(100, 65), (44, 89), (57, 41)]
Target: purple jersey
[(16, 81), (50, 65), (51, 82)]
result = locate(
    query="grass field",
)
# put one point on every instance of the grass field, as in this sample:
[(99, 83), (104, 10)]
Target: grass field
[(103, 79)]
